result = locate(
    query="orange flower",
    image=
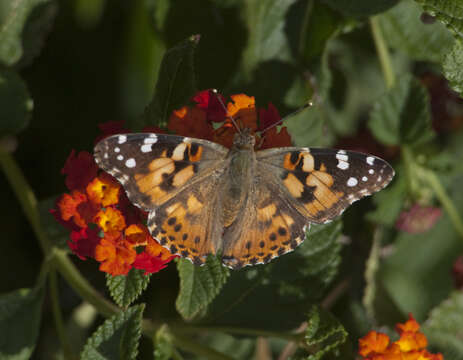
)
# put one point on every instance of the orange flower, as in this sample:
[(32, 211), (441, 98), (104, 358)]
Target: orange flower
[(373, 342), (68, 206), (115, 256), (137, 234), (110, 220), (410, 346), (103, 190)]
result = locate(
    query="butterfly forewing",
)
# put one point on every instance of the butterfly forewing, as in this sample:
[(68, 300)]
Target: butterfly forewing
[(322, 183), (153, 168)]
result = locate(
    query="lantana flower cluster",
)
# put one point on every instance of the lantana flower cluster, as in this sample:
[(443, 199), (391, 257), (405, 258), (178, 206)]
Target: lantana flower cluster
[(410, 346), (105, 226)]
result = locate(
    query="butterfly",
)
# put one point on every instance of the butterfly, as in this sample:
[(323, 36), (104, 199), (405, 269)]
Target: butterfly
[(246, 206)]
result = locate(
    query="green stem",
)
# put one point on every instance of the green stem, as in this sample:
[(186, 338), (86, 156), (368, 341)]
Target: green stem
[(59, 323), (444, 199), (202, 351), (371, 269), (25, 196), (383, 52), (80, 285), (304, 26)]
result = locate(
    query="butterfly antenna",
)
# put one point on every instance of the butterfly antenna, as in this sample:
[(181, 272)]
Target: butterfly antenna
[(297, 111), (225, 109)]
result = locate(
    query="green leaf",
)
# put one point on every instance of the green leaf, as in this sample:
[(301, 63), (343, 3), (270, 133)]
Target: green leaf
[(117, 337), (285, 288), (324, 333), (450, 12), (453, 70), (159, 10), (361, 7), (389, 202), (57, 233), (443, 328), (124, 289), (13, 16), (20, 315), (163, 347), (15, 103), (404, 31), (175, 84), (265, 20), (307, 128), (199, 285), (402, 115)]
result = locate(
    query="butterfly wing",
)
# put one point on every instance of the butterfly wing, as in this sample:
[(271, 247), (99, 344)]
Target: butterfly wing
[(153, 168), (176, 179), (268, 225), (322, 183)]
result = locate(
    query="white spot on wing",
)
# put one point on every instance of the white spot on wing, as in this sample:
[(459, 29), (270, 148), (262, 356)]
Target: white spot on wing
[(352, 182), (342, 157), (146, 148), (343, 165), (116, 149), (364, 178), (105, 155), (341, 152), (122, 139), (120, 157), (130, 163), (370, 160), (371, 171), (151, 139)]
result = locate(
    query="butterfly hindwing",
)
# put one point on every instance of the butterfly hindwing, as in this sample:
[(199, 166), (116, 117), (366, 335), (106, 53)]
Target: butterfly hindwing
[(322, 183), (154, 167)]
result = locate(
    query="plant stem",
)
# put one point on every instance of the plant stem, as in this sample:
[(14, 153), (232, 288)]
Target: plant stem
[(383, 52), (371, 269), (26, 197), (202, 351), (444, 199), (80, 285), (57, 316)]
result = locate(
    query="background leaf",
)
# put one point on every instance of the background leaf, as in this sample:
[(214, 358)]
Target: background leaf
[(361, 7), (443, 328), (20, 315), (13, 16), (117, 337), (124, 289), (15, 103), (402, 115), (199, 285), (404, 30), (175, 84), (449, 12), (453, 70), (285, 288)]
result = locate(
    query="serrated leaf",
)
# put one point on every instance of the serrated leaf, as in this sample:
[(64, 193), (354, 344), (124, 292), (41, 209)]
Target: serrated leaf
[(163, 347), (199, 285), (444, 326), (175, 84), (404, 31), (402, 115), (13, 16), (361, 7), (20, 315), (265, 20), (117, 337), (15, 103), (453, 69), (285, 288), (450, 12), (124, 289), (324, 333)]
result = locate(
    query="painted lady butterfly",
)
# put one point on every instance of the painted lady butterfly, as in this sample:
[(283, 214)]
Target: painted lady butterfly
[(248, 206)]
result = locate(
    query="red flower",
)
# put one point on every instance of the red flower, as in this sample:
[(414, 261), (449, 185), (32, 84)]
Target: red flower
[(151, 264), (209, 102), (79, 170), (84, 242), (111, 128), (418, 219)]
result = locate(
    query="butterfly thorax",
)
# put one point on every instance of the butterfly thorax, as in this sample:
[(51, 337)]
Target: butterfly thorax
[(240, 175)]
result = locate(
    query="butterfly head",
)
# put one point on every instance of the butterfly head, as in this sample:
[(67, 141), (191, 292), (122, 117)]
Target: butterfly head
[(244, 139)]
